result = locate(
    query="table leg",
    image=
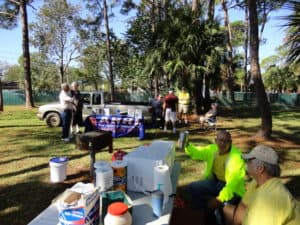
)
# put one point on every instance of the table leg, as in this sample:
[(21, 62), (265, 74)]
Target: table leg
[(92, 159)]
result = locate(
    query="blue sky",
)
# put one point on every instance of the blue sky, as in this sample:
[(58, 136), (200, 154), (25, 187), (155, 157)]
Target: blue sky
[(11, 40)]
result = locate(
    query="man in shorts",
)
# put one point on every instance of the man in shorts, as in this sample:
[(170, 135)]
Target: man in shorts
[(170, 107), (184, 101)]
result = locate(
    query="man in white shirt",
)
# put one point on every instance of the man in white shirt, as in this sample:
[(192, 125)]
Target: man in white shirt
[(67, 104)]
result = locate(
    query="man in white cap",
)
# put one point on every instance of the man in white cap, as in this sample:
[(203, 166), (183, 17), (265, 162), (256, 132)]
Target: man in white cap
[(266, 201), (66, 102)]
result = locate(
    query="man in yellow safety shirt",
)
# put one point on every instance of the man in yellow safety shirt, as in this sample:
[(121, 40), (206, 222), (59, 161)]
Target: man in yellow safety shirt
[(184, 102), (224, 176)]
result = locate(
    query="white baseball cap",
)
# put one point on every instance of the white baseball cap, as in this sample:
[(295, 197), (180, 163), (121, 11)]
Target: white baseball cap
[(263, 153)]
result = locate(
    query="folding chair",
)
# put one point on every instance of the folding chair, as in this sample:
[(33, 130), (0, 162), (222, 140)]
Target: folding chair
[(210, 125)]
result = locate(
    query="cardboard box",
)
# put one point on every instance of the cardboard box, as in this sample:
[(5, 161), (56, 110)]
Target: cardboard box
[(79, 205), (141, 163)]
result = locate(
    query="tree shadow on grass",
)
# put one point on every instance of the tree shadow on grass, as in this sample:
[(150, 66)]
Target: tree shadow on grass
[(22, 202), (22, 125), (39, 167), (293, 185)]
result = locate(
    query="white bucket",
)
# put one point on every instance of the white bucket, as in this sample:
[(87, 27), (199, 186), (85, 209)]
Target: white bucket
[(100, 164), (104, 178), (58, 169)]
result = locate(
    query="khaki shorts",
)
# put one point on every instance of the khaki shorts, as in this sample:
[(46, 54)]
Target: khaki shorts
[(183, 108), (170, 116)]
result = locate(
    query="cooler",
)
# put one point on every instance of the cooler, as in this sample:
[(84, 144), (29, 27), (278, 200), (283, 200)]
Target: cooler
[(141, 163)]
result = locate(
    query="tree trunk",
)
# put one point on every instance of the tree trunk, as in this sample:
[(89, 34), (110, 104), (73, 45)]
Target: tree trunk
[(246, 45), (229, 50), (156, 86), (109, 56), (198, 93), (1, 95), (195, 4), (261, 97), (211, 10), (26, 55), (207, 99), (61, 69)]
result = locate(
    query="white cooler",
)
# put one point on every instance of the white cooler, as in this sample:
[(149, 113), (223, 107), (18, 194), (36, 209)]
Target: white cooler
[(141, 163)]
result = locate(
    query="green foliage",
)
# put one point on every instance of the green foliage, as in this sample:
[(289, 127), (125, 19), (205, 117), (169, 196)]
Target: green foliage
[(269, 61), (180, 47), (44, 73), (281, 79), (8, 14), (93, 61), (53, 33), (293, 36), (13, 73), (238, 33)]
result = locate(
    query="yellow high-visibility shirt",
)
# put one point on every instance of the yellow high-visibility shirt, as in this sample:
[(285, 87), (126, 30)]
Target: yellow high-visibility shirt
[(219, 166), (184, 98), (272, 204)]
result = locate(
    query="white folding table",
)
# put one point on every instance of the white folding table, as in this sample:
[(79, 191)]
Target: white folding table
[(142, 210)]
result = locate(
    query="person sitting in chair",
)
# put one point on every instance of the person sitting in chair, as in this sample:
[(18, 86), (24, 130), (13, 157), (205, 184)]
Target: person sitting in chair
[(210, 116)]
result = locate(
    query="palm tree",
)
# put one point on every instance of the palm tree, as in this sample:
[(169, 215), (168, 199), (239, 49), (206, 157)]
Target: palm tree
[(293, 39)]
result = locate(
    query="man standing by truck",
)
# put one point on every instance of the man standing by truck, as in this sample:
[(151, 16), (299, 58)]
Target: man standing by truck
[(67, 105), (170, 107), (77, 120)]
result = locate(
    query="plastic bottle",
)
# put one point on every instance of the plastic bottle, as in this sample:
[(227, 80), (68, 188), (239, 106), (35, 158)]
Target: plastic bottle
[(117, 214), (157, 200)]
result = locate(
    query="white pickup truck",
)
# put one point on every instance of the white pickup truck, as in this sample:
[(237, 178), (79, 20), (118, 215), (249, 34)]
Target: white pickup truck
[(94, 103)]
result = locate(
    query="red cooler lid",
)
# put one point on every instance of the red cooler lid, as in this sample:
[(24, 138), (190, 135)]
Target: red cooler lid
[(117, 208)]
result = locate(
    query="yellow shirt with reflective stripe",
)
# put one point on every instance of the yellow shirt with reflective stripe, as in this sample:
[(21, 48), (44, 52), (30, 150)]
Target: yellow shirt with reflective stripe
[(271, 204), (219, 166), (184, 98)]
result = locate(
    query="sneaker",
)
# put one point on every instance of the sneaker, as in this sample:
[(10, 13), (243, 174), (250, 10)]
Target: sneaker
[(65, 139)]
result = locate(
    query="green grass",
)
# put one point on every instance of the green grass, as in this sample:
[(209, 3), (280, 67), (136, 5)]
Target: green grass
[(27, 144)]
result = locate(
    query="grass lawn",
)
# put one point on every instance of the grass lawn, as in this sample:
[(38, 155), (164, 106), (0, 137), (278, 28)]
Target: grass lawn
[(27, 144)]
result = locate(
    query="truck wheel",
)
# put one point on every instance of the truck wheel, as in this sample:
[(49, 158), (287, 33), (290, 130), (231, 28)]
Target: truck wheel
[(53, 119)]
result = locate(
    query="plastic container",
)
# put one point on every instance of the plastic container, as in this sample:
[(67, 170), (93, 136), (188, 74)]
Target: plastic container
[(157, 201), (58, 169), (104, 178), (183, 139), (120, 175), (118, 214), (100, 164)]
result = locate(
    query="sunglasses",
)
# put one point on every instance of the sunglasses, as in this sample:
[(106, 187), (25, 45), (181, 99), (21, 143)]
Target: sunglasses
[(222, 140), (249, 160)]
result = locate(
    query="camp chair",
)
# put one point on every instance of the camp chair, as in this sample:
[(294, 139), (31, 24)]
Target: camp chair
[(210, 125)]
